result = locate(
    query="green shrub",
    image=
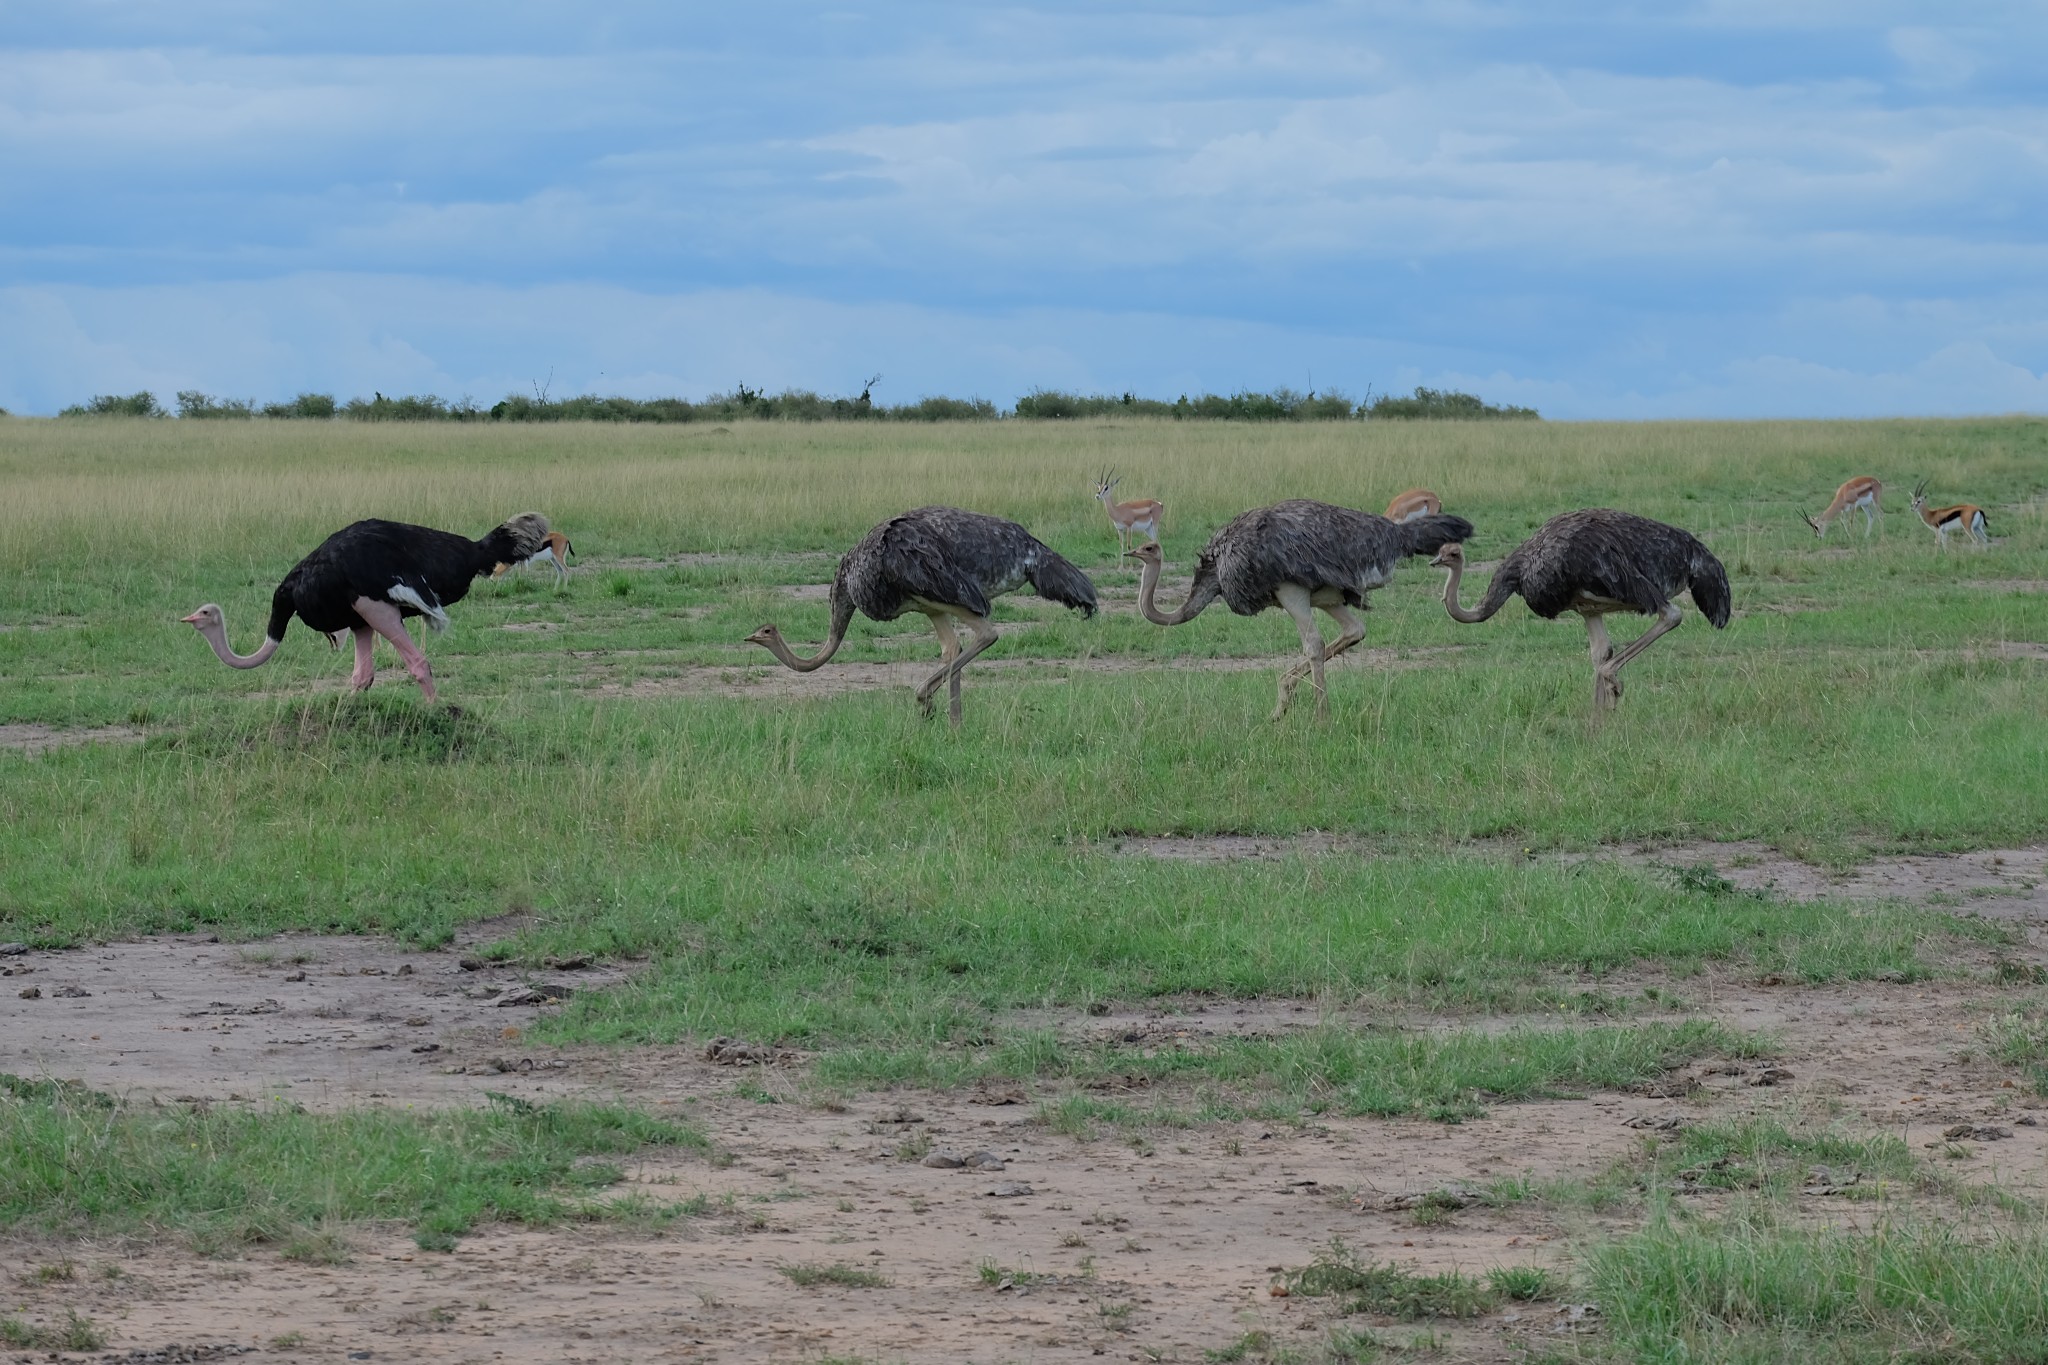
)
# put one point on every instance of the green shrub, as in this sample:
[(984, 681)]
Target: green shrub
[(313, 406), (1446, 405), (194, 404), (142, 404)]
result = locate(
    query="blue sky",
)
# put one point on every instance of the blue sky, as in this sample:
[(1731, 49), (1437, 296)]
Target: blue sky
[(1605, 210)]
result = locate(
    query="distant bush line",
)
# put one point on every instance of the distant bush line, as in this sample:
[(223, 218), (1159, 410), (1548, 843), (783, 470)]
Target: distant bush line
[(801, 405)]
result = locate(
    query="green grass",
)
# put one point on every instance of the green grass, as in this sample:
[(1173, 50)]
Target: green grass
[(75, 1333), (225, 1179), (1446, 1076), (1364, 1286), (838, 1274), (1758, 1287), (839, 872)]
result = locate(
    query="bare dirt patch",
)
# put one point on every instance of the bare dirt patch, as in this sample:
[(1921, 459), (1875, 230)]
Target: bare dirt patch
[(836, 679), (40, 739), (1161, 1241), (2004, 883)]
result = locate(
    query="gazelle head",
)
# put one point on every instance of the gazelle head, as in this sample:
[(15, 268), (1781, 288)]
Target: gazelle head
[(1818, 530), (1920, 496), (1105, 485)]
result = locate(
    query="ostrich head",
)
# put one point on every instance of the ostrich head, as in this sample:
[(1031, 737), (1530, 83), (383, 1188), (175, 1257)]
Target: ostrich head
[(1147, 553), (208, 617), (1451, 556), (767, 636)]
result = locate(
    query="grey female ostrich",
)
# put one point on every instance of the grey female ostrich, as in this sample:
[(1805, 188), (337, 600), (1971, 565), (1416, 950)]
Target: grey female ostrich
[(1298, 556), (1596, 562), (947, 564), (368, 577)]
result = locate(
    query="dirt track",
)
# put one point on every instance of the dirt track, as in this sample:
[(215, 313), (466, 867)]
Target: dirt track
[(1159, 1247)]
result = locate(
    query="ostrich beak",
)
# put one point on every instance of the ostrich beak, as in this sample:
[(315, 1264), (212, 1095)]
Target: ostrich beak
[(191, 620)]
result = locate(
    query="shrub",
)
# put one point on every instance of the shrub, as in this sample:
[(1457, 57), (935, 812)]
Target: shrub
[(1446, 405), (194, 404), (142, 404), (314, 406)]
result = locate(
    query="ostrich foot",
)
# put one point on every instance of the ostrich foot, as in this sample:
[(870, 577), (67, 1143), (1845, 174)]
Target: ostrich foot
[(1606, 690)]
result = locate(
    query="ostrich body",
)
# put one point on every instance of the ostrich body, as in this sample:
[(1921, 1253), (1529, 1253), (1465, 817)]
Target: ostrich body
[(948, 564), (1299, 556), (1597, 562), (367, 578)]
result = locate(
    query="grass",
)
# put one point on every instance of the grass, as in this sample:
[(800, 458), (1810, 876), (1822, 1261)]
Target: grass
[(1446, 1076), (1758, 1286), (74, 1334), (832, 871), (226, 1179), (838, 1274)]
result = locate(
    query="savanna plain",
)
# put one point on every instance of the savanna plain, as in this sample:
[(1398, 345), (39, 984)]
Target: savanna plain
[(646, 1001)]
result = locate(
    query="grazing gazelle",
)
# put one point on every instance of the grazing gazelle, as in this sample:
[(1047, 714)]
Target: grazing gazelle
[(1963, 516), (1416, 502), (1861, 491), (1129, 518), (555, 549)]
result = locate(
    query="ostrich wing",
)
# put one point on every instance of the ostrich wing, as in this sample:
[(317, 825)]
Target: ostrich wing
[(1312, 544)]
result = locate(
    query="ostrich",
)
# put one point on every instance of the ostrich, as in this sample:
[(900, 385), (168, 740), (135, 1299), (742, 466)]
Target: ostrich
[(367, 578), (1595, 562), (1298, 556), (947, 564)]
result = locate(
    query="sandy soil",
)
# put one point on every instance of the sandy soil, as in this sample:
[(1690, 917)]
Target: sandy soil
[(37, 739), (1156, 1249)]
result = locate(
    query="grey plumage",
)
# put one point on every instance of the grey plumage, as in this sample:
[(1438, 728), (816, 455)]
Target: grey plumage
[(948, 564), (1300, 555), (1597, 562)]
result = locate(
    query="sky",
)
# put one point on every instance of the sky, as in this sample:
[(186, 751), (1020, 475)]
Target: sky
[(1635, 209)]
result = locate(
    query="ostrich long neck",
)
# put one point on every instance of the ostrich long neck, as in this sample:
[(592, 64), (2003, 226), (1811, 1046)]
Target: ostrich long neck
[(842, 616), (1148, 584), (1458, 613), (217, 636)]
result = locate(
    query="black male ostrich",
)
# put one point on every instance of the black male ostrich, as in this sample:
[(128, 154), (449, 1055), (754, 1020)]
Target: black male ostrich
[(947, 564), (1596, 562), (368, 577), (1298, 556)]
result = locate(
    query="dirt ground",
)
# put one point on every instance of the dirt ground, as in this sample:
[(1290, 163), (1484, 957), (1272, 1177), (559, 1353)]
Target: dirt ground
[(1156, 1247)]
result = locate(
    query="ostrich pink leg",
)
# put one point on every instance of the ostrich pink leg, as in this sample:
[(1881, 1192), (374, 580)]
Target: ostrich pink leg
[(1354, 630), (366, 665), (1295, 600), (1608, 672), (984, 636), (383, 618), (949, 650)]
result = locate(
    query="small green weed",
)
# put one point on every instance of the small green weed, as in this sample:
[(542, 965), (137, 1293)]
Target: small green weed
[(838, 1273), (74, 1334), (1389, 1290)]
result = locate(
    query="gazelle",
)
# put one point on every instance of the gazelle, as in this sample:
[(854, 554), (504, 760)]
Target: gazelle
[(1964, 516), (1130, 518), (555, 549), (1416, 502), (1861, 491)]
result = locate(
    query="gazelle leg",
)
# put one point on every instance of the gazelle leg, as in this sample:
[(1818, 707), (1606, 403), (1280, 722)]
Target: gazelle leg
[(984, 636), (1868, 521), (949, 650), (383, 618), (1295, 599), (1667, 619), (366, 665)]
